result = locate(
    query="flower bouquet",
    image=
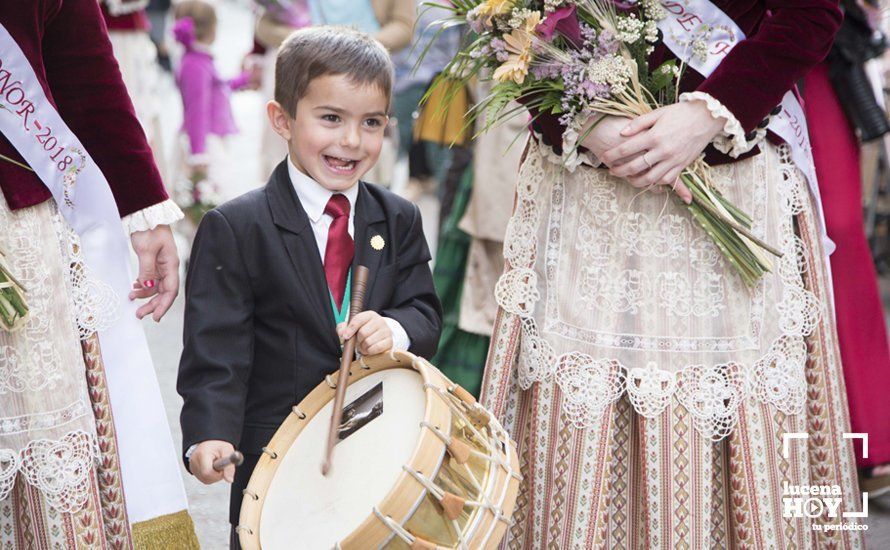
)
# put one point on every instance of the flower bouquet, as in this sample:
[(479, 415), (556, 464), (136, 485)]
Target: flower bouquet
[(13, 308), (577, 59), (198, 195)]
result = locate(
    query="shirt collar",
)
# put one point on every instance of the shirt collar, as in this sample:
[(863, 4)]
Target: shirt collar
[(313, 196)]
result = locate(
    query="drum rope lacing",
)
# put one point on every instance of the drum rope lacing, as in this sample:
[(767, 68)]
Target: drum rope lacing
[(499, 435), (499, 431), (272, 454), (404, 534)]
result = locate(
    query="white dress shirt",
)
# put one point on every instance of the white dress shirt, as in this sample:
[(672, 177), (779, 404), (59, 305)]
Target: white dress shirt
[(314, 199)]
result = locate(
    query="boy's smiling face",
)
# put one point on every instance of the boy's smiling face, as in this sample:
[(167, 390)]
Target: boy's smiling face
[(337, 132)]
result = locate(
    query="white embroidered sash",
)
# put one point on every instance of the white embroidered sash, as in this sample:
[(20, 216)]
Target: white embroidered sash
[(691, 21), (149, 464)]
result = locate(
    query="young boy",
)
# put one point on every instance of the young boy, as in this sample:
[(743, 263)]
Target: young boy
[(268, 279)]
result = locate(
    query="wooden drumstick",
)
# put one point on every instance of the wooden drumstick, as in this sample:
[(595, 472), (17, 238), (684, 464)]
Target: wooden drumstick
[(356, 305), (235, 458)]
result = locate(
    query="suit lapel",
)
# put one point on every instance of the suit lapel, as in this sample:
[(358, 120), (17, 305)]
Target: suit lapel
[(370, 225), (299, 241)]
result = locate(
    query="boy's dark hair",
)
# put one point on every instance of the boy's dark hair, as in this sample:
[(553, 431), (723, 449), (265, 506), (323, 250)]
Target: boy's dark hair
[(313, 52)]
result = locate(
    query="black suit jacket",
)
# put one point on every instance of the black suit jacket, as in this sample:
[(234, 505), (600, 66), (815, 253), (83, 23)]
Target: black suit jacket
[(259, 329)]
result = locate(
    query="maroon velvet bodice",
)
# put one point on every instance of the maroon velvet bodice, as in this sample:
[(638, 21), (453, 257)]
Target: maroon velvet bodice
[(67, 45)]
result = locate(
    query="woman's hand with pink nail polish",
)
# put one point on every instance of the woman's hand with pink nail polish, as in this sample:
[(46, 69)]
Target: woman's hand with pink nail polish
[(158, 279)]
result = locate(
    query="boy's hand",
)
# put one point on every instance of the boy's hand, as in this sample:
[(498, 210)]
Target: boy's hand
[(374, 334), (201, 461)]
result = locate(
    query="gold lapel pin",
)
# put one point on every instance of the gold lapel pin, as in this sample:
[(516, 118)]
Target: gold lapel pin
[(377, 242)]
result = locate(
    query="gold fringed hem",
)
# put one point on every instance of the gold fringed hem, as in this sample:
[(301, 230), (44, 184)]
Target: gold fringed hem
[(174, 531)]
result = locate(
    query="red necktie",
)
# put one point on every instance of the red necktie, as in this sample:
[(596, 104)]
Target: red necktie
[(340, 248)]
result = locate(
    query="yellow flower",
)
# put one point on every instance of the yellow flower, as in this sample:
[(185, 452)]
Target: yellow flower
[(532, 21), (491, 8), (515, 68)]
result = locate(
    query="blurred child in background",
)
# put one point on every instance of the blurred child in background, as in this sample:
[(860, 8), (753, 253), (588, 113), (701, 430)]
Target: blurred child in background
[(207, 113)]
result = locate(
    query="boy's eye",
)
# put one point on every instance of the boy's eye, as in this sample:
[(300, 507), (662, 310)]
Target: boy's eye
[(331, 118), (374, 122)]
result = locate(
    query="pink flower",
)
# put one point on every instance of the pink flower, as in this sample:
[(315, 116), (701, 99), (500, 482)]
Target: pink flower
[(565, 22)]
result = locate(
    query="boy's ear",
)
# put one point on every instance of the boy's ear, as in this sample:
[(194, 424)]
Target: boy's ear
[(279, 119)]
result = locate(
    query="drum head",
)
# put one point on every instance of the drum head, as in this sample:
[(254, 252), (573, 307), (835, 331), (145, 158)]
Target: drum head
[(303, 508)]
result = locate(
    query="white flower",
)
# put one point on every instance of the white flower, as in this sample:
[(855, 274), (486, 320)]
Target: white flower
[(613, 70), (208, 193), (651, 32), (524, 19), (700, 50), (630, 29), (652, 10), (552, 5)]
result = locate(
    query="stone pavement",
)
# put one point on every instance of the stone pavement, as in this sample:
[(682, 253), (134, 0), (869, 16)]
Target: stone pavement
[(209, 504)]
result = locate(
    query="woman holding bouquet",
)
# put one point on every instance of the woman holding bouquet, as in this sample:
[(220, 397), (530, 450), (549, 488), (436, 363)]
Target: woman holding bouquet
[(649, 386)]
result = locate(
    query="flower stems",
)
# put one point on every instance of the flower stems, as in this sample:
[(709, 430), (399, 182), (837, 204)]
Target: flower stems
[(13, 308), (729, 228)]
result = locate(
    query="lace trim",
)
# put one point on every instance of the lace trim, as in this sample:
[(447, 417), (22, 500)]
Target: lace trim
[(732, 141), (59, 469), (44, 420), (712, 394), (9, 467), (162, 213), (95, 304)]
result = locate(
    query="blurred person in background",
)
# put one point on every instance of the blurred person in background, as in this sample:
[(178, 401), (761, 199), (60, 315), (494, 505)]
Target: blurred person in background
[(391, 22), (430, 51), (470, 255), (288, 15), (158, 11), (206, 111), (136, 55), (840, 103)]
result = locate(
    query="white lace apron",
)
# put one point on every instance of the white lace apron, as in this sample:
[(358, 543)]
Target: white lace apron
[(620, 292), (47, 429)]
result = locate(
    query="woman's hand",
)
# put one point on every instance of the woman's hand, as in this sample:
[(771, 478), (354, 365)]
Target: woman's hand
[(602, 133), (158, 271), (661, 144)]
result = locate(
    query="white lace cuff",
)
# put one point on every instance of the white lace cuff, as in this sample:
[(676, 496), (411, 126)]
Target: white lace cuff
[(732, 141), (163, 213)]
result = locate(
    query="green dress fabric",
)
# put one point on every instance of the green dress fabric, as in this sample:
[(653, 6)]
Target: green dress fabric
[(461, 354)]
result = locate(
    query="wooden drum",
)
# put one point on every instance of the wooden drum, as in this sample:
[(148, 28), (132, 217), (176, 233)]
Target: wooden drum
[(419, 464)]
